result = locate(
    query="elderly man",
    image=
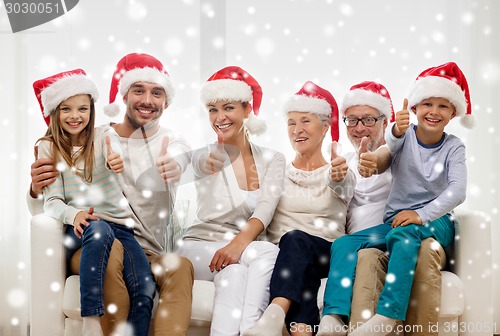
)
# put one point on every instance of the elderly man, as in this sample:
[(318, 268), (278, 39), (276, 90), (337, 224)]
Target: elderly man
[(367, 110)]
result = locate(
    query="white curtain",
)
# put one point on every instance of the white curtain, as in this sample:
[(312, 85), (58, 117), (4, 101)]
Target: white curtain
[(282, 43)]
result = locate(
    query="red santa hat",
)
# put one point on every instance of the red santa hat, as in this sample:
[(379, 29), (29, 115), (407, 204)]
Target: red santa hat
[(232, 83), (51, 91), (312, 98), (445, 81), (371, 94), (134, 68)]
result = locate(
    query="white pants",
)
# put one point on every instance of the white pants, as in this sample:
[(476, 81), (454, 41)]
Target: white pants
[(241, 290)]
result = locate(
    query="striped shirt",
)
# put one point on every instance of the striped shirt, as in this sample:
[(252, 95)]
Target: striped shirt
[(70, 193)]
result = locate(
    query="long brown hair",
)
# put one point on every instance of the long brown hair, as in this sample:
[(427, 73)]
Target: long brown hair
[(62, 147)]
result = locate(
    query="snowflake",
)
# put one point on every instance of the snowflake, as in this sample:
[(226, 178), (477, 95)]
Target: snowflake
[(264, 46), (236, 314), (16, 298), (345, 282), (366, 314), (112, 308), (137, 11), (390, 278)]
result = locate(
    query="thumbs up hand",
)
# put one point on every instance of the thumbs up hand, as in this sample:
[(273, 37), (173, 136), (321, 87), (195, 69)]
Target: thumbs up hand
[(338, 165), (402, 121), (216, 158), (115, 161), (367, 161), (166, 164)]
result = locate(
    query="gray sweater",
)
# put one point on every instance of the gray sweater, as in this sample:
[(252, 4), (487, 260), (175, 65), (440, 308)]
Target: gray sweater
[(430, 180)]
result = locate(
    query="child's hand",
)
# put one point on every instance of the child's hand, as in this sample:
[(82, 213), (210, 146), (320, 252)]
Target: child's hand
[(367, 161), (406, 217), (81, 221), (166, 164), (215, 160), (115, 161), (402, 121), (338, 165)]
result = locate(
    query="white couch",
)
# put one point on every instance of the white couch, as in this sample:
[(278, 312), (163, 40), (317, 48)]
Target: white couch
[(466, 293)]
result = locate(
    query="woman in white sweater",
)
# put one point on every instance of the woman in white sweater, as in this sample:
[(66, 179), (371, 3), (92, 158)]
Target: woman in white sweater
[(309, 216), (238, 186)]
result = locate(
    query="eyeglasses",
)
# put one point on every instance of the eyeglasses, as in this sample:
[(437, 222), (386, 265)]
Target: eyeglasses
[(368, 121)]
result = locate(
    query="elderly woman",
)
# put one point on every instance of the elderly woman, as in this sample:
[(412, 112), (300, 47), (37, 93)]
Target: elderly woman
[(238, 186), (309, 216)]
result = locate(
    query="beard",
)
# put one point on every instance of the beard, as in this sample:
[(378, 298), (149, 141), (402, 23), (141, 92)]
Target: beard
[(136, 124)]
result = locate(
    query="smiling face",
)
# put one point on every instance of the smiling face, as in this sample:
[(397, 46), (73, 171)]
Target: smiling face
[(375, 132), (74, 116), (227, 117), (145, 104), (306, 132), (433, 114)]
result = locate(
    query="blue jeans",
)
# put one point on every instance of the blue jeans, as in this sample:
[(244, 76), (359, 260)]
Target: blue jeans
[(403, 243), (96, 244)]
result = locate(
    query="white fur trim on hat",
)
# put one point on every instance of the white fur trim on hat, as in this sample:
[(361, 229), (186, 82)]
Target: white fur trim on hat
[(65, 88), (150, 75), (304, 103), (255, 125), (435, 86), (368, 98), (225, 89)]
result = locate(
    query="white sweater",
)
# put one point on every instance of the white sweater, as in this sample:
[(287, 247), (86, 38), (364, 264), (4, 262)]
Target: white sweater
[(312, 203), (221, 207)]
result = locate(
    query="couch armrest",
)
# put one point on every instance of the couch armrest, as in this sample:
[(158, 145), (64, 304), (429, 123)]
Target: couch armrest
[(47, 276), (473, 264)]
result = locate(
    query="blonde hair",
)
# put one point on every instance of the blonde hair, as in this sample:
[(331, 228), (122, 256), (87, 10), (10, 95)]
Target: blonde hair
[(61, 146)]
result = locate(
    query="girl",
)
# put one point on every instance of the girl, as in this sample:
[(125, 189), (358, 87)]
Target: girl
[(87, 197), (238, 187)]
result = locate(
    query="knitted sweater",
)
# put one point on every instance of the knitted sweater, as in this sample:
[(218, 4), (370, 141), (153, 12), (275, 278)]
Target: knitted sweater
[(312, 203), (70, 193)]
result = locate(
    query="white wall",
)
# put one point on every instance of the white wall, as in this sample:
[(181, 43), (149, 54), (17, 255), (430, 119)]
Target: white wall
[(282, 43)]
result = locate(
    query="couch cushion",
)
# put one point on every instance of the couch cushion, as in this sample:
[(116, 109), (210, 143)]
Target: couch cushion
[(203, 302), (452, 295), (71, 298)]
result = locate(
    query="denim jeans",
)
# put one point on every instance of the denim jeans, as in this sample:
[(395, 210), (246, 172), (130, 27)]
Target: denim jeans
[(96, 244), (403, 243)]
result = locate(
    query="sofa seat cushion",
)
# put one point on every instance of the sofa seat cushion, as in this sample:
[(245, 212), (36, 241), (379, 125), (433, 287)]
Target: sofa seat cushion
[(452, 296), (203, 301), (71, 298)]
